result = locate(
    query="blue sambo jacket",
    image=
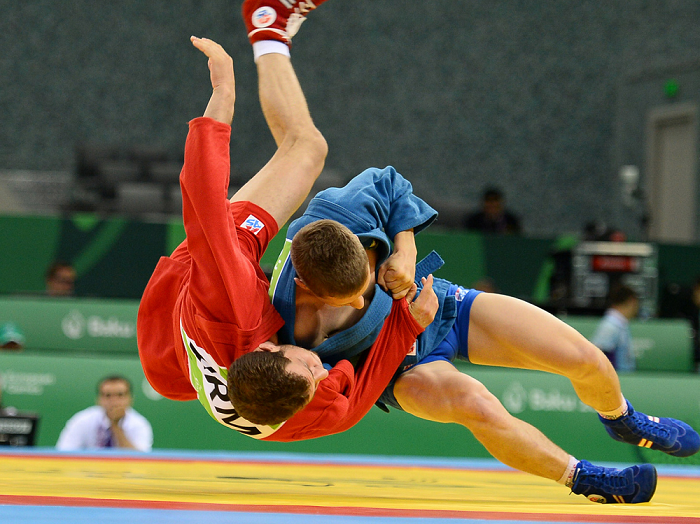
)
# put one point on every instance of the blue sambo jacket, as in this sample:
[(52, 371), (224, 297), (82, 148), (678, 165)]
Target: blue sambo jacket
[(375, 205)]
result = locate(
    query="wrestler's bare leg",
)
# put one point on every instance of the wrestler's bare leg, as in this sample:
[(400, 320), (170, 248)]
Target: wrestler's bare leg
[(285, 181), (437, 391), (507, 332)]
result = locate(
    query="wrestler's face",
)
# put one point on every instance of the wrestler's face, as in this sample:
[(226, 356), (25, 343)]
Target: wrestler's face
[(303, 362), (356, 300)]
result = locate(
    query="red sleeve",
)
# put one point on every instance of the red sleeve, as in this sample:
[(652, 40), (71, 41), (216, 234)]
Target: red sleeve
[(394, 342), (215, 252), (228, 298), (346, 396)]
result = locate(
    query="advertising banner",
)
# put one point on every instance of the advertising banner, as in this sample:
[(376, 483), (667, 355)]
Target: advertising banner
[(71, 324)]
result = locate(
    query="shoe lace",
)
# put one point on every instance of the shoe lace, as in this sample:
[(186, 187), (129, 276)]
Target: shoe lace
[(302, 8), (610, 480), (644, 426), (294, 23), (306, 6), (296, 17)]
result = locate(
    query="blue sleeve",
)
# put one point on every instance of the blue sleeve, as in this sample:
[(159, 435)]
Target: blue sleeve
[(376, 199)]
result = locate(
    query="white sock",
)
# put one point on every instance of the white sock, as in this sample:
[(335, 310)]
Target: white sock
[(265, 47), (567, 479), (617, 413)]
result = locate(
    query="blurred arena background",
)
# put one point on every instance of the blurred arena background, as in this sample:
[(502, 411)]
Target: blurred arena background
[(546, 100)]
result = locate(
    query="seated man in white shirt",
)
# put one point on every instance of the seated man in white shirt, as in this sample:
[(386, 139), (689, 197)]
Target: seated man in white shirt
[(112, 423)]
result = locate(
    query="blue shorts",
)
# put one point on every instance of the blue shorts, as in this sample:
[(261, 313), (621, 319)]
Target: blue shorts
[(454, 345)]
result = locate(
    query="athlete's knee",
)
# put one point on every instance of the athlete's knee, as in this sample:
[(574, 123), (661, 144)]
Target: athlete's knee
[(410, 386), (589, 361), (316, 144), (445, 395), (476, 407), (310, 142)]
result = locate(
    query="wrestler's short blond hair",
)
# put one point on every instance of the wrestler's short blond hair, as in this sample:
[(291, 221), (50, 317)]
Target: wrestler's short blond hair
[(329, 259)]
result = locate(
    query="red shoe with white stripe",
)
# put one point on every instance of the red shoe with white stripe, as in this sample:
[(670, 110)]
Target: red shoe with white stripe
[(669, 435), (276, 19)]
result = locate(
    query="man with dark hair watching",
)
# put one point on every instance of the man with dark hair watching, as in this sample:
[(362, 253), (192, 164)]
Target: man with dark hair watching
[(112, 423), (60, 279), (493, 217), (613, 335)]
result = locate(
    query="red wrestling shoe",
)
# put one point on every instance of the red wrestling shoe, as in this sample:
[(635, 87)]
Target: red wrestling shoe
[(275, 19)]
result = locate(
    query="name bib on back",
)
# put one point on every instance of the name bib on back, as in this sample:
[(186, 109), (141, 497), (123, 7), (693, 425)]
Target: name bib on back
[(210, 382)]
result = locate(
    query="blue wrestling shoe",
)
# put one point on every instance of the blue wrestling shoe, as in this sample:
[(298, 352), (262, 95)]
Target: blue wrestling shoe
[(615, 486), (664, 434)]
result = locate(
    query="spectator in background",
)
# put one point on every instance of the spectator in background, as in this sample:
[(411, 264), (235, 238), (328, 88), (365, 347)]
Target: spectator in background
[(493, 216), (613, 333), (112, 423), (60, 280)]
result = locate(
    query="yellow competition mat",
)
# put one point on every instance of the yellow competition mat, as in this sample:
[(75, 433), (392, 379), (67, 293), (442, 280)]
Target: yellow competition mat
[(250, 483)]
